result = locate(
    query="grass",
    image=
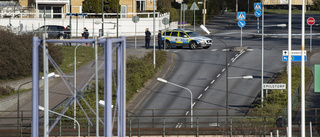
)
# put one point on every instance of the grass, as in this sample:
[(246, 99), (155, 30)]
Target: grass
[(84, 55)]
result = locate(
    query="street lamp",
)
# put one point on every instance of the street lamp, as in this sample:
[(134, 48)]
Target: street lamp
[(191, 106), (42, 109), (102, 103)]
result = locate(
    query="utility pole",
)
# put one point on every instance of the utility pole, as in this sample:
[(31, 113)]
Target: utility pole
[(204, 13)]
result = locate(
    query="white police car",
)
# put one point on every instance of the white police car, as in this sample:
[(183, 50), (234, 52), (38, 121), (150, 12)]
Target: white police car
[(180, 38)]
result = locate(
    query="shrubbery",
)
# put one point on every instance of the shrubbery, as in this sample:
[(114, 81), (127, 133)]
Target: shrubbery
[(16, 55), (139, 71), (4, 91)]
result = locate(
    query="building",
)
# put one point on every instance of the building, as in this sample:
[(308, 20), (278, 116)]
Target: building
[(59, 8), (284, 3)]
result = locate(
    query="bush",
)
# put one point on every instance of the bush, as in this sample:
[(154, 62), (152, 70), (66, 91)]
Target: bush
[(16, 55), (6, 90)]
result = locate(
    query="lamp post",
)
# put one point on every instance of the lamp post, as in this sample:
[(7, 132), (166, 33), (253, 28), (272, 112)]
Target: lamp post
[(191, 97), (42, 109), (102, 103)]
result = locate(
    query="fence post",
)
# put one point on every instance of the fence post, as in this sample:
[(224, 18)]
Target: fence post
[(310, 129), (164, 128), (316, 115), (60, 128), (264, 126), (20, 128), (130, 127), (231, 127), (152, 118), (197, 127), (88, 129)]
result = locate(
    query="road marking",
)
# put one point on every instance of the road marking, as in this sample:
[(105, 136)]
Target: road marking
[(187, 112), (218, 75), (237, 55), (228, 64), (180, 125), (194, 103), (200, 96), (206, 88), (212, 81), (223, 69), (250, 49), (214, 49), (232, 58), (225, 49)]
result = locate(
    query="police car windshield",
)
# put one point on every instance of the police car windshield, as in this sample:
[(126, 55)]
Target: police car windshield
[(193, 34)]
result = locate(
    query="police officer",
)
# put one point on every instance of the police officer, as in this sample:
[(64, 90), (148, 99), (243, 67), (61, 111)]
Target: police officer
[(159, 39), (148, 34)]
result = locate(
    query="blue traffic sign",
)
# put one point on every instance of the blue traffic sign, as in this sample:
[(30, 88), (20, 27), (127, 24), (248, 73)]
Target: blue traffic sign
[(241, 23), (257, 6), (257, 13), (241, 15), (294, 58)]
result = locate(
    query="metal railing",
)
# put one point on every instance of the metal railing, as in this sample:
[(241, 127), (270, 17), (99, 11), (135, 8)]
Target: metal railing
[(175, 124)]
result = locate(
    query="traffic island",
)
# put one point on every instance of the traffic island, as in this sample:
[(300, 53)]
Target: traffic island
[(239, 48)]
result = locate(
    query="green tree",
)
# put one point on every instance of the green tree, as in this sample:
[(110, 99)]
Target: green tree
[(94, 6), (316, 4), (164, 5)]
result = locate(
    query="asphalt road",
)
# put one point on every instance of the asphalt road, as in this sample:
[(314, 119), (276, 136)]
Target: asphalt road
[(203, 71)]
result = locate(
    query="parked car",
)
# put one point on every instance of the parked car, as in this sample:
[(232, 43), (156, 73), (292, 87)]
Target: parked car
[(181, 38), (52, 31)]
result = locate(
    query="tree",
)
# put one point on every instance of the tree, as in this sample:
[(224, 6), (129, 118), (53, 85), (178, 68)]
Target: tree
[(316, 4), (94, 6), (164, 5)]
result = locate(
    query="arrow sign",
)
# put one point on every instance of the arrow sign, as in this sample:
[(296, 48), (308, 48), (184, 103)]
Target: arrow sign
[(241, 23), (257, 13), (194, 6), (257, 6), (241, 15), (184, 7)]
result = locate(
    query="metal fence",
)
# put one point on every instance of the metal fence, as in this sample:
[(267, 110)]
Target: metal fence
[(160, 125)]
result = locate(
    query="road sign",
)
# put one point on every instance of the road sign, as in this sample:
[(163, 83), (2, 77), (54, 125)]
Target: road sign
[(241, 15), (295, 55), (241, 23), (194, 6), (274, 86), (257, 6), (165, 21), (294, 58), (257, 13), (135, 19), (293, 52), (184, 7), (311, 21)]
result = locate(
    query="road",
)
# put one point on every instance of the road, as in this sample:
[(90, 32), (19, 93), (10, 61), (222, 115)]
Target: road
[(203, 71)]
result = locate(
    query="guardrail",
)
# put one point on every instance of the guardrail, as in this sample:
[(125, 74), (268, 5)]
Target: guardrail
[(167, 125)]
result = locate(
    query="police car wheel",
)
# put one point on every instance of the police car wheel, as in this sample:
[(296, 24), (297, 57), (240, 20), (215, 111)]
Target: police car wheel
[(193, 45), (61, 37), (168, 45)]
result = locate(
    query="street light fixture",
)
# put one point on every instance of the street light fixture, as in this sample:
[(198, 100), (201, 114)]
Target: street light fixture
[(42, 109), (191, 103)]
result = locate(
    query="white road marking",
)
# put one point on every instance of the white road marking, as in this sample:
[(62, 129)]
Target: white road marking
[(223, 69), (206, 88), (180, 125), (194, 103), (212, 81), (250, 49), (214, 49), (199, 97), (218, 75), (187, 112)]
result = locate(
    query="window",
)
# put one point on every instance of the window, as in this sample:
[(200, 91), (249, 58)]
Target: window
[(174, 34), (182, 34), (50, 11), (167, 33), (123, 11), (141, 5)]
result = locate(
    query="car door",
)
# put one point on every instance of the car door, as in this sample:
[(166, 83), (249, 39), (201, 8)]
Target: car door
[(174, 38), (183, 39)]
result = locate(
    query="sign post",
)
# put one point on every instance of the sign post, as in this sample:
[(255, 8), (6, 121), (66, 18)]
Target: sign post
[(194, 7), (311, 22), (241, 23), (135, 20), (257, 13)]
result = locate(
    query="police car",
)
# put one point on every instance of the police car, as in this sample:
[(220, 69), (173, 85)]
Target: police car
[(180, 38)]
